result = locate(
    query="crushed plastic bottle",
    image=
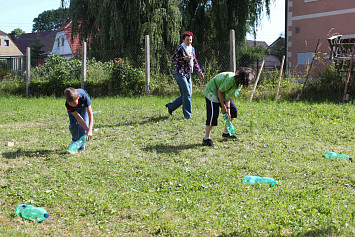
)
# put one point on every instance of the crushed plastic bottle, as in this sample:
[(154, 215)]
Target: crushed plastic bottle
[(76, 145), (261, 180), (337, 156), (30, 212), (229, 124)]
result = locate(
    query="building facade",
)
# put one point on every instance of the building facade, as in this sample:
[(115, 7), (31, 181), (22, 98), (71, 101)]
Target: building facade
[(311, 22), (8, 46)]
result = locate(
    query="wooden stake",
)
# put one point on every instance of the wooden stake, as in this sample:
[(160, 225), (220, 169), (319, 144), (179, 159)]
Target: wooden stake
[(349, 74), (278, 85), (257, 79), (310, 68)]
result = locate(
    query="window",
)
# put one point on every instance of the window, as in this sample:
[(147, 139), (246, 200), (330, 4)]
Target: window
[(0, 42), (311, 0), (58, 42), (6, 42), (297, 29), (304, 58), (63, 41)]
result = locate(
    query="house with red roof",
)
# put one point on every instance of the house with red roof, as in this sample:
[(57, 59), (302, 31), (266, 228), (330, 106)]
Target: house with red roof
[(7, 46), (58, 42), (11, 57), (64, 44)]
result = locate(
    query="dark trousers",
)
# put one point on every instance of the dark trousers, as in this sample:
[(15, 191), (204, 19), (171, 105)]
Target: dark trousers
[(213, 111)]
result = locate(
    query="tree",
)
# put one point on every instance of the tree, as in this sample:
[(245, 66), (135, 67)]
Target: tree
[(211, 21), (50, 20), (37, 54), (214, 18), (122, 24), (16, 33)]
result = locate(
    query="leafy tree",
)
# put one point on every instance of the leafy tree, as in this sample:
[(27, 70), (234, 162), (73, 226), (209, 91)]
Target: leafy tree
[(37, 54), (50, 20), (122, 24), (214, 18), (16, 33), (249, 55)]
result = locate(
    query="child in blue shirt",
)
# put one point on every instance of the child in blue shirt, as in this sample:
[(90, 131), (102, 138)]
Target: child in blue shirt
[(78, 104)]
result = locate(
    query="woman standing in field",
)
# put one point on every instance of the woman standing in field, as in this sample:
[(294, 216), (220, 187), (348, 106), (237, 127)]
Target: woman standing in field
[(185, 59)]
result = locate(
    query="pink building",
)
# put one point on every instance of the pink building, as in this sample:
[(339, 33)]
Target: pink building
[(311, 20)]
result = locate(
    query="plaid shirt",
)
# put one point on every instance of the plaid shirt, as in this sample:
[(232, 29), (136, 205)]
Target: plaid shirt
[(182, 66)]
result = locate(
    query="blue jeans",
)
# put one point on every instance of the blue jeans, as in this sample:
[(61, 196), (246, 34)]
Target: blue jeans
[(76, 130), (185, 86)]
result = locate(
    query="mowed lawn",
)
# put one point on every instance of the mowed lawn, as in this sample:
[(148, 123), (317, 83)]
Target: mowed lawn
[(146, 173)]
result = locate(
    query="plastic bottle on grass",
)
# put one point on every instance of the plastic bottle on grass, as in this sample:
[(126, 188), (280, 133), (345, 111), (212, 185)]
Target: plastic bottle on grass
[(229, 124), (30, 212), (76, 145), (337, 156), (261, 180)]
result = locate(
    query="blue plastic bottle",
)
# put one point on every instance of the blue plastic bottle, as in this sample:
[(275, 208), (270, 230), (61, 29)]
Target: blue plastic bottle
[(76, 145), (229, 124), (30, 212), (337, 156), (261, 180)]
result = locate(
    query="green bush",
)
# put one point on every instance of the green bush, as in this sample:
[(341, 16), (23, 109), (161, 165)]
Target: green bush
[(330, 85), (126, 80)]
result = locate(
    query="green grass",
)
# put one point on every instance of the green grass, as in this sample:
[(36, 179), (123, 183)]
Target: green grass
[(145, 173)]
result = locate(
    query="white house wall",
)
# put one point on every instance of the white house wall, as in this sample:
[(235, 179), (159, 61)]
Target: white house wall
[(61, 45)]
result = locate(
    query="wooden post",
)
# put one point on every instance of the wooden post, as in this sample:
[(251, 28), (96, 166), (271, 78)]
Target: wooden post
[(310, 68), (147, 65), (278, 85), (83, 66), (257, 79), (28, 70), (345, 97), (232, 59)]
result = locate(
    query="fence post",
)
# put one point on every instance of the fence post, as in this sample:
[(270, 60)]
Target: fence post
[(257, 79), (28, 70), (345, 97), (147, 65), (279, 83), (83, 67), (232, 60)]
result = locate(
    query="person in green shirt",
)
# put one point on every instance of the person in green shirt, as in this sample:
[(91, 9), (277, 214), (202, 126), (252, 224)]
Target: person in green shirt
[(218, 93)]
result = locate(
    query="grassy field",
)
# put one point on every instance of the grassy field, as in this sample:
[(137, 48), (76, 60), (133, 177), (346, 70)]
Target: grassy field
[(145, 173)]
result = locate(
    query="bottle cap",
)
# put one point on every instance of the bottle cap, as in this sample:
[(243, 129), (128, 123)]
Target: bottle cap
[(46, 215)]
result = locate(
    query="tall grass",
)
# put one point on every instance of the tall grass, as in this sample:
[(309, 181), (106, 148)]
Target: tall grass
[(146, 173)]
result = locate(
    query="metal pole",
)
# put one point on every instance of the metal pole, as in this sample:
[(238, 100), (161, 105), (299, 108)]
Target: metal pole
[(147, 65), (28, 70), (232, 60), (83, 67)]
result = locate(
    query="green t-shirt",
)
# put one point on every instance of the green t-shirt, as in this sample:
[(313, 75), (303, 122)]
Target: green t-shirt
[(225, 83)]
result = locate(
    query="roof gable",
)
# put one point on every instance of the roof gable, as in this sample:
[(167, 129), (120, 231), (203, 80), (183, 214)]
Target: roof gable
[(46, 37), (74, 43)]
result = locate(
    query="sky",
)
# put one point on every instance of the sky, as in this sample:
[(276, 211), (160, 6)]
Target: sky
[(20, 14)]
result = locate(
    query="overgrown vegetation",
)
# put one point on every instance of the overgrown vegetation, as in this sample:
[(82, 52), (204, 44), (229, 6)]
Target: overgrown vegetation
[(145, 173), (119, 77)]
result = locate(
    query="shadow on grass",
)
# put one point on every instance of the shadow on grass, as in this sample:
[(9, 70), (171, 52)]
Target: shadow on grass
[(132, 121), (34, 153), (326, 231), (162, 148)]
